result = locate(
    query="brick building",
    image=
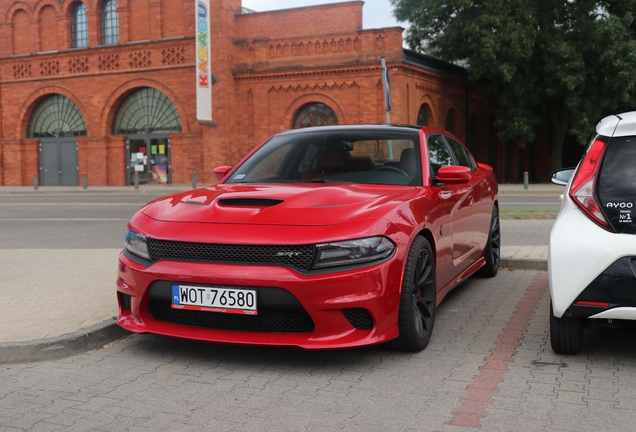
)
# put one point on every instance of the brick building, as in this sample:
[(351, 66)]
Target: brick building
[(107, 87)]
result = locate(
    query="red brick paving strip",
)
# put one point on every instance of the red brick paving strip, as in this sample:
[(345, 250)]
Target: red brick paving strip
[(484, 386)]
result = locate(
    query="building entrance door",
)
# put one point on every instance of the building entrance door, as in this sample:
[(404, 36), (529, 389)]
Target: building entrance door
[(58, 162), (149, 157)]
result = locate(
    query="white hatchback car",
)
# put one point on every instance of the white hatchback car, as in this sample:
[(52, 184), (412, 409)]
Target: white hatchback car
[(592, 252)]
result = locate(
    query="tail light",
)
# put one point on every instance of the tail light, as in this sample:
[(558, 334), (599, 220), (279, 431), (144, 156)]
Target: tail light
[(583, 183)]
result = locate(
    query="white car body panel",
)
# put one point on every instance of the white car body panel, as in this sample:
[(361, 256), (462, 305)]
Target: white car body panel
[(580, 250), (618, 125), (624, 313)]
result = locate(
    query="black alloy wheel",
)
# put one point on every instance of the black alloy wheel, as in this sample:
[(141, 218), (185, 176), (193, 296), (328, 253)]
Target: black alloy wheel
[(492, 252), (418, 298)]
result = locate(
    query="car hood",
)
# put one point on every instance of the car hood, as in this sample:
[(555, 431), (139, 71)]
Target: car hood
[(297, 204)]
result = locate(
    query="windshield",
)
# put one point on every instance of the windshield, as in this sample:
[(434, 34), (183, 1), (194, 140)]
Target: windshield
[(367, 157)]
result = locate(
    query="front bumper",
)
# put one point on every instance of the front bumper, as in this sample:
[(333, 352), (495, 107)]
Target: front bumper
[(590, 269), (348, 308)]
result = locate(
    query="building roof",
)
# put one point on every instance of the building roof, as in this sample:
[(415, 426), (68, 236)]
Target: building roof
[(435, 64)]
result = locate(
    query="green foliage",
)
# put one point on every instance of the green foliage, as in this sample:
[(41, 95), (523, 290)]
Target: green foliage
[(567, 62)]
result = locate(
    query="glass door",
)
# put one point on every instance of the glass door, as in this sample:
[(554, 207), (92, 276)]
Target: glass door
[(137, 160), (149, 157), (159, 160)]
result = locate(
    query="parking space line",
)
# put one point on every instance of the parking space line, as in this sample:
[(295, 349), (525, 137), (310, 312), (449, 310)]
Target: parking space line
[(485, 383)]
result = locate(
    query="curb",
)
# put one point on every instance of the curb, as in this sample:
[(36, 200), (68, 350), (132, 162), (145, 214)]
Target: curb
[(527, 215), (61, 346), (524, 264)]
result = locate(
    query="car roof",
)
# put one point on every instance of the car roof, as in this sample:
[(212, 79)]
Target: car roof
[(355, 127), (623, 124)]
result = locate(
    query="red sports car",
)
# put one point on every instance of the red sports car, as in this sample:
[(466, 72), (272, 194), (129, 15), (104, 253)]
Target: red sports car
[(325, 237)]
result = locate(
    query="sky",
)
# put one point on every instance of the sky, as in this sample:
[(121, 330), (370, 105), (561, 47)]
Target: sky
[(375, 13)]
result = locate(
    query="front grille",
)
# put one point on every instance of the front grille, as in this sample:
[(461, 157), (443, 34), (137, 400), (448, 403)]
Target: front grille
[(249, 202), (299, 257), (267, 320), (359, 318)]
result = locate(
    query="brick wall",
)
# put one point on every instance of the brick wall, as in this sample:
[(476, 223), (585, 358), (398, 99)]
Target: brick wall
[(47, 23), (21, 33), (139, 15), (300, 22), (265, 68)]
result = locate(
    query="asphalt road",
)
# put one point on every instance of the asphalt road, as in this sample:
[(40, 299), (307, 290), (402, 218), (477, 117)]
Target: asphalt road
[(71, 221), (529, 202)]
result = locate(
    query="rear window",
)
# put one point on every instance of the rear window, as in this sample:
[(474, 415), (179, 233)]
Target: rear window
[(616, 188)]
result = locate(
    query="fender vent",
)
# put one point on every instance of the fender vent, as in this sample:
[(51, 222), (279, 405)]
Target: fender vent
[(249, 202)]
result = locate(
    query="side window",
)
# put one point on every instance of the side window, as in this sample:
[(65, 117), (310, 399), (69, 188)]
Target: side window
[(438, 153), (460, 153)]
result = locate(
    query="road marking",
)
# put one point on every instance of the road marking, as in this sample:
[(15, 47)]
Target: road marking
[(62, 219), (505, 203), (484, 387)]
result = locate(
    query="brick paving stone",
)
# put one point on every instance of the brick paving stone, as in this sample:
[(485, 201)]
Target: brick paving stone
[(158, 383)]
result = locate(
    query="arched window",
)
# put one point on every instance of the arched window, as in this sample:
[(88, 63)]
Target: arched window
[(315, 114), (79, 26), (450, 121), (56, 116), (147, 111), (110, 23), (422, 115)]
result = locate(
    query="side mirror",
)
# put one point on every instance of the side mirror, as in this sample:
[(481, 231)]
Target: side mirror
[(453, 174), (220, 172), (484, 166), (562, 176)]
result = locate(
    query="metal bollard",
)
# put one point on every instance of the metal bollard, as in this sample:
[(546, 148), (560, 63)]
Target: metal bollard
[(35, 181), (525, 179), (194, 179), (136, 180), (85, 181)]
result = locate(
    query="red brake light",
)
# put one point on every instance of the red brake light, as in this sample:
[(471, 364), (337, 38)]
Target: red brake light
[(582, 189)]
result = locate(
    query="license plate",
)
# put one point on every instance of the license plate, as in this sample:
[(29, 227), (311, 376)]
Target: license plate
[(214, 299)]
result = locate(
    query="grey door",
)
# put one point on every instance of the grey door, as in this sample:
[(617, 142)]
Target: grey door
[(58, 162)]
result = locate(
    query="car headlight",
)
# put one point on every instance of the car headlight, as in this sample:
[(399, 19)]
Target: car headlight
[(353, 252), (136, 244)]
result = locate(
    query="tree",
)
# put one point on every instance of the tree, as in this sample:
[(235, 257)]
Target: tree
[(567, 63)]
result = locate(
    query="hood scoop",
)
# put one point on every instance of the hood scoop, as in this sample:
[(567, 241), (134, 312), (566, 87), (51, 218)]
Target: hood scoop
[(199, 203), (249, 202)]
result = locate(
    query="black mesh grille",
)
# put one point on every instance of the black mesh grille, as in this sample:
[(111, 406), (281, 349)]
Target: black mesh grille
[(199, 203), (272, 320), (299, 257), (125, 301), (359, 318), (249, 202)]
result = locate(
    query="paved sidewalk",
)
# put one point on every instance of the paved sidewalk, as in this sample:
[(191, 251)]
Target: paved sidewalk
[(57, 302)]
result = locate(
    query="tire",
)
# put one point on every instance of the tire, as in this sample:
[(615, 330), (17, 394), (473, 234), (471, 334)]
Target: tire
[(492, 252), (566, 334), (417, 299)]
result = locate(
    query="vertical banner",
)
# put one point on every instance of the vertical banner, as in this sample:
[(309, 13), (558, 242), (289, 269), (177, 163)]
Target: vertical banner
[(203, 64)]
